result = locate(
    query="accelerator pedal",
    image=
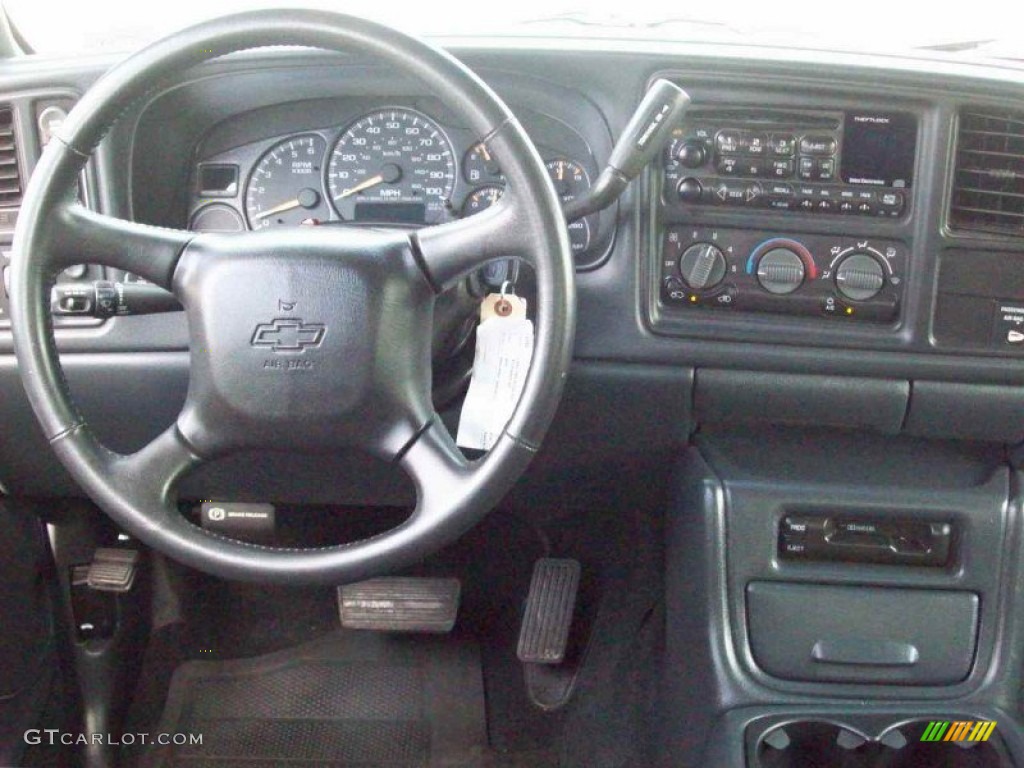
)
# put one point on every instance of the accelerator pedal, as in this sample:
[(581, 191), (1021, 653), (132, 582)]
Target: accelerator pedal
[(400, 605), (550, 606)]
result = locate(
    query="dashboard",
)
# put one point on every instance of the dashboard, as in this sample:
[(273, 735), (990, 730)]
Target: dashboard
[(806, 313), (825, 241)]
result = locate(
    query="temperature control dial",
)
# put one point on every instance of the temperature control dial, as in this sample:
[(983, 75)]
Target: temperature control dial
[(781, 265), (702, 266), (780, 271), (860, 277)]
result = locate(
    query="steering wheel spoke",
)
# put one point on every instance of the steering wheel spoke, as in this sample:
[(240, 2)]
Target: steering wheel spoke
[(159, 465), (437, 468), (81, 236), (452, 250)]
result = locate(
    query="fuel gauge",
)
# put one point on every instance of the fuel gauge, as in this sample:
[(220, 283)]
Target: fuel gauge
[(480, 167)]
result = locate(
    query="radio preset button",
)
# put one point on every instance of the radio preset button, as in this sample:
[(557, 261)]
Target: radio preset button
[(753, 143), (780, 169), (820, 146), (782, 144), (728, 166), (808, 168), (728, 142), (752, 167)]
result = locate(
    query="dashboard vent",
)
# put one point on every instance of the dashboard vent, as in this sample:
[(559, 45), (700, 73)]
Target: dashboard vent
[(988, 191), (10, 179)]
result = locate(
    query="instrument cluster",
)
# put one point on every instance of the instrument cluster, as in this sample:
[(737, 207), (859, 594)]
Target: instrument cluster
[(393, 165)]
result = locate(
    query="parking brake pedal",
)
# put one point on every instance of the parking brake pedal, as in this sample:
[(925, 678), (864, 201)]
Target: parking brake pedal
[(112, 570), (544, 635), (400, 605)]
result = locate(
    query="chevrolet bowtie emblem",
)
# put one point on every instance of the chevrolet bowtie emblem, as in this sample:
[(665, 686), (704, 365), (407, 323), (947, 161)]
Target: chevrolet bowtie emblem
[(288, 334)]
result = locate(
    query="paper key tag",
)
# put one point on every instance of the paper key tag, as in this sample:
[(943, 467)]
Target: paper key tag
[(502, 305), (504, 348)]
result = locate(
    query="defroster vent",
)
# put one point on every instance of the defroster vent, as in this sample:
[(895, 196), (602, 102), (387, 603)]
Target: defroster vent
[(988, 190)]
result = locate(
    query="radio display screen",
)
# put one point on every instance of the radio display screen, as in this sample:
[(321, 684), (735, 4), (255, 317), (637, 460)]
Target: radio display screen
[(879, 149)]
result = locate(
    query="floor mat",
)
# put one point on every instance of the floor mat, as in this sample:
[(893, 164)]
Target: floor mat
[(348, 700)]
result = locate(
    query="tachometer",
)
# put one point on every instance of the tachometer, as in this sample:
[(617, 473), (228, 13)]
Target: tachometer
[(285, 188), (394, 165)]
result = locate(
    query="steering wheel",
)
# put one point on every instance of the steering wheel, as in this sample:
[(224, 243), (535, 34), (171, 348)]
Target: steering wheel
[(359, 300)]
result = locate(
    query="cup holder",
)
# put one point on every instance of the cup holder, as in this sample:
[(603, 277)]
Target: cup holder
[(825, 744)]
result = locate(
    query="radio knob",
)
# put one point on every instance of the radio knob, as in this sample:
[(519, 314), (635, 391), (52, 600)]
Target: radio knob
[(780, 271), (702, 266), (692, 154), (860, 277), (690, 190)]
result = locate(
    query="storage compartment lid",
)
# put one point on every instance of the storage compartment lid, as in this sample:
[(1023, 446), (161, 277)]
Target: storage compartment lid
[(862, 634)]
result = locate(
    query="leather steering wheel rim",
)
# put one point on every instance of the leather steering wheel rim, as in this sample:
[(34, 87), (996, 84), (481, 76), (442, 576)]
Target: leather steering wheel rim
[(388, 281)]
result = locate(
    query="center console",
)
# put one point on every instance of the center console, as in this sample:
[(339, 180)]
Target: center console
[(850, 167), (845, 601)]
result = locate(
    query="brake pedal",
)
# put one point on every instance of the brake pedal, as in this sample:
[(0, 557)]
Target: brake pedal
[(400, 605), (550, 606), (112, 570)]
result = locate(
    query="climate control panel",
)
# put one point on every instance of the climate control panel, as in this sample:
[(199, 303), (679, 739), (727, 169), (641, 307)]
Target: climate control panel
[(855, 279)]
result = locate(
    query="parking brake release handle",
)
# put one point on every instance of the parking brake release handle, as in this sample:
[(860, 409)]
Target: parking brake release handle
[(649, 127)]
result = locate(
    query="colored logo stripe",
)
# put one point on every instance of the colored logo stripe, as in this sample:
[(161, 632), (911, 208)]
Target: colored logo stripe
[(935, 730), (982, 731), (960, 730)]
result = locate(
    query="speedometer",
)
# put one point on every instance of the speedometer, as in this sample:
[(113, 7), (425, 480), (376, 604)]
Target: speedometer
[(394, 165)]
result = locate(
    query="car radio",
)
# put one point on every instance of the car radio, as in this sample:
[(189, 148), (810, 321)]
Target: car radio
[(841, 163)]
